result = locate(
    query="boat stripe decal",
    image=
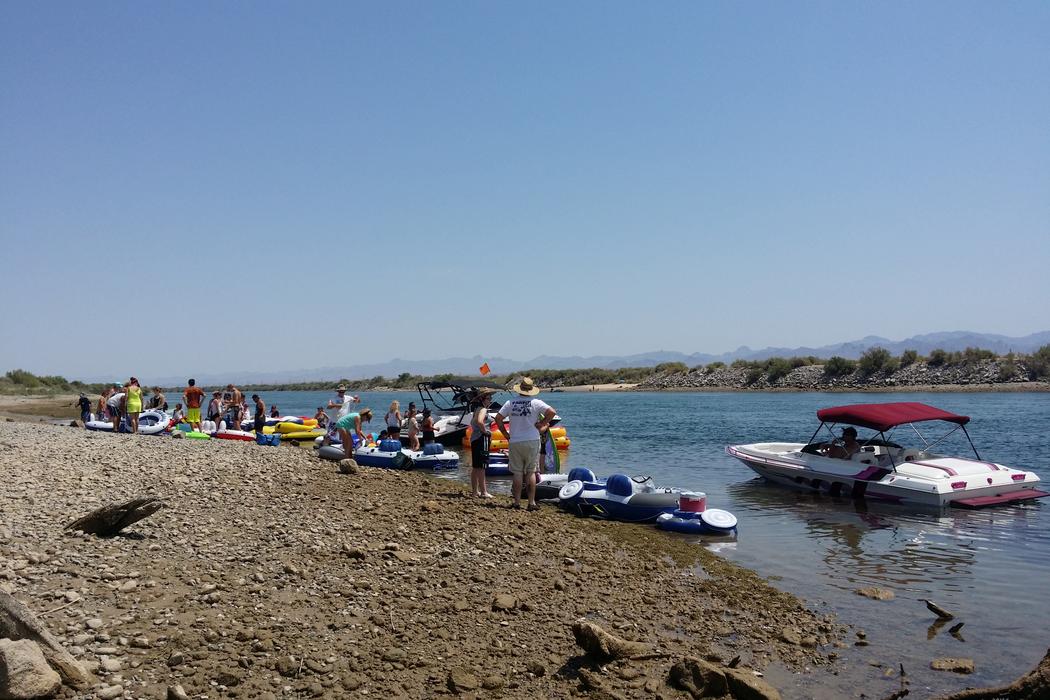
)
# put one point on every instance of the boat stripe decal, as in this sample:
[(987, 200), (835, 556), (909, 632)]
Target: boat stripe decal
[(951, 472)]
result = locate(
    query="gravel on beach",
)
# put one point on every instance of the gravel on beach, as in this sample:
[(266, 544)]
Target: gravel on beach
[(270, 574)]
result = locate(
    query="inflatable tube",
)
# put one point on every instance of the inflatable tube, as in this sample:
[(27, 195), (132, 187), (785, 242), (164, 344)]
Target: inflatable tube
[(289, 427), (235, 435), (710, 522), (331, 452), (302, 435), (103, 426), (561, 443), (195, 435), (619, 497), (153, 422)]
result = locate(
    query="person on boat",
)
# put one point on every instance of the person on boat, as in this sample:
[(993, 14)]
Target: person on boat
[(349, 427), (849, 446), (194, 396), (413, 428), (115, 406), (321, 417), (480, 444), (133, 404), (393, 420), (428, 427), (342, 402), (260, 414), (529, 420), (274, 413), (179, 415), (215, 407)]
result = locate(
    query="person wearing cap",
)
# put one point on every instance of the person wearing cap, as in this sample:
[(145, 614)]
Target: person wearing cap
[(480, 443), (529, 419), (849, 446), (194, 396), (349, 427), (260, 414)]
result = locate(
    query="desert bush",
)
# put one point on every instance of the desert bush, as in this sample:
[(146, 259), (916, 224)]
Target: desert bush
[(937, 358), (875, 360), (839, 367), (909, 357), (777, 367), (1038, 363), (671, 367), (715, 365)]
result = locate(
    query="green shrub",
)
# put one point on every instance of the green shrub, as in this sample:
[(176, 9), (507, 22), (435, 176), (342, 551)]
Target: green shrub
[(777, 367), (715, 365), (1038, 363), (875, 360), (742, 364), (937, 358), (753, 375), (671, 367), (909, 357), (839, 367)]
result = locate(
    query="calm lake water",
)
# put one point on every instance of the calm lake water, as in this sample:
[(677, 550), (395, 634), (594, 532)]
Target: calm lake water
[(990, 567)]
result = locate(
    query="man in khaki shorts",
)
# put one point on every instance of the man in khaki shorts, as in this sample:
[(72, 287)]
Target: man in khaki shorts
[(529, 419)]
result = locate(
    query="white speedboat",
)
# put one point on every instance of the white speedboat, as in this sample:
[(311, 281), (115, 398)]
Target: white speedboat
[(885, 470)]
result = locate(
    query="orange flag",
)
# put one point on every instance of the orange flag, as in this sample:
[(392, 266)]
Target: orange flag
[(485, 369)]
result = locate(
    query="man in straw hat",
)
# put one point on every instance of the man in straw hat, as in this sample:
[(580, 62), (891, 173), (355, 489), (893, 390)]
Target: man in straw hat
[(529, 419)]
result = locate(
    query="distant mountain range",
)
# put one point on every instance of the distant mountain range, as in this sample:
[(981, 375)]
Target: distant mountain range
[(468, 366)]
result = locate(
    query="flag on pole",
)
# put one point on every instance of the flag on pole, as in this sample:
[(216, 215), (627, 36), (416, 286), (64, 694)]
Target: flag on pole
[(485, 369)]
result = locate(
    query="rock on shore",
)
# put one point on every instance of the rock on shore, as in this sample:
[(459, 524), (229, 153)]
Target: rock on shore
[(270, 574)]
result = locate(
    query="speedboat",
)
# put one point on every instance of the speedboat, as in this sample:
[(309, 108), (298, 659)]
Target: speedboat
[(452, 403), (884, 470)]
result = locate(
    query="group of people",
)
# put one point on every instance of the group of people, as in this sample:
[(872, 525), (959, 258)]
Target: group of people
[(117, 403), (522, 421)]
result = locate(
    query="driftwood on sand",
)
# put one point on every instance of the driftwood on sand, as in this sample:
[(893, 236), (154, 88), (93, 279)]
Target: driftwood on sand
[(1033, 685), (111, 519), (17, 622)]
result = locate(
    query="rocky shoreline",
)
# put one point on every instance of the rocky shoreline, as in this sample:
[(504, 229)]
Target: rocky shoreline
[(986, 375), (269, 574)]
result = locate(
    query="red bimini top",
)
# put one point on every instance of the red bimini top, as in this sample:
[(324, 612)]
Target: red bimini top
[(883, 416)]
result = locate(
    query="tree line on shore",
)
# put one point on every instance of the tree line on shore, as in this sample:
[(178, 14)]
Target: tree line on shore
[(874, 361)]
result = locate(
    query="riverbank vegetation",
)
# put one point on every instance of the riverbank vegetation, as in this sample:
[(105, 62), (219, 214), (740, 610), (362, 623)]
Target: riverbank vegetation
[(875, 367)]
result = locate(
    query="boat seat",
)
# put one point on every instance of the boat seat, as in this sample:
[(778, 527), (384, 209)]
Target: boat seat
[(909, 455), (864, 457)]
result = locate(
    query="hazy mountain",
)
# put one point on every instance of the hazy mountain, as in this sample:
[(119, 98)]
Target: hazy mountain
[(950, 340)]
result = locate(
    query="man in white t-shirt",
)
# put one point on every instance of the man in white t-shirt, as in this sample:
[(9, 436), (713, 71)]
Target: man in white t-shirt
[(344, 403), (529, 419)]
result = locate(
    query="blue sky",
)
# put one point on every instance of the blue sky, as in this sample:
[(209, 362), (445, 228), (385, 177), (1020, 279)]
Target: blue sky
[(191, 187)]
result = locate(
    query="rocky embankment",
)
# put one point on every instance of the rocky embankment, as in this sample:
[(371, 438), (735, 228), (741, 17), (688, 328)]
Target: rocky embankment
[(269, 574), (984, 375)]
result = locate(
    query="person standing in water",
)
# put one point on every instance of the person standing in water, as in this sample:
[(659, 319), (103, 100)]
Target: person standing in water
[(393, 420)]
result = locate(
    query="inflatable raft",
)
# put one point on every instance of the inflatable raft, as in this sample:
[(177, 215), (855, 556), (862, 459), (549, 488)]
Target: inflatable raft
[(710, 522), (241, 435), (620, 497), (389, 454)]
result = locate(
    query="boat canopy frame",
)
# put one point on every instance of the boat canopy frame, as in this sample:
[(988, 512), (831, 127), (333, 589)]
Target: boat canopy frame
[(455, 395), (883, 418)]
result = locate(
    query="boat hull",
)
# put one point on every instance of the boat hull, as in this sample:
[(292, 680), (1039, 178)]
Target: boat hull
[(883, 483)]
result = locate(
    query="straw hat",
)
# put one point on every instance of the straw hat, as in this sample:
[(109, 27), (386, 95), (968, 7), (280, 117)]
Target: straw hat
[(341, 387), (525, 387)]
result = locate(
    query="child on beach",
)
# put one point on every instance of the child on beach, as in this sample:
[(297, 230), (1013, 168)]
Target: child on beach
[(179, 416)]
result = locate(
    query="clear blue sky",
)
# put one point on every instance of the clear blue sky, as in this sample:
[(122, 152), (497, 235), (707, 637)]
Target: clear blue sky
[(200, 187)]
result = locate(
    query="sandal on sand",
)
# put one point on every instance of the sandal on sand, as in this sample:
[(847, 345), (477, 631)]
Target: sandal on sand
[(487, 495), (533, 506), (514, 506)]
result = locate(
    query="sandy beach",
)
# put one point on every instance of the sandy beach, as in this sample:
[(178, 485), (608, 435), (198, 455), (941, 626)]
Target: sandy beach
[(269, 574)]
